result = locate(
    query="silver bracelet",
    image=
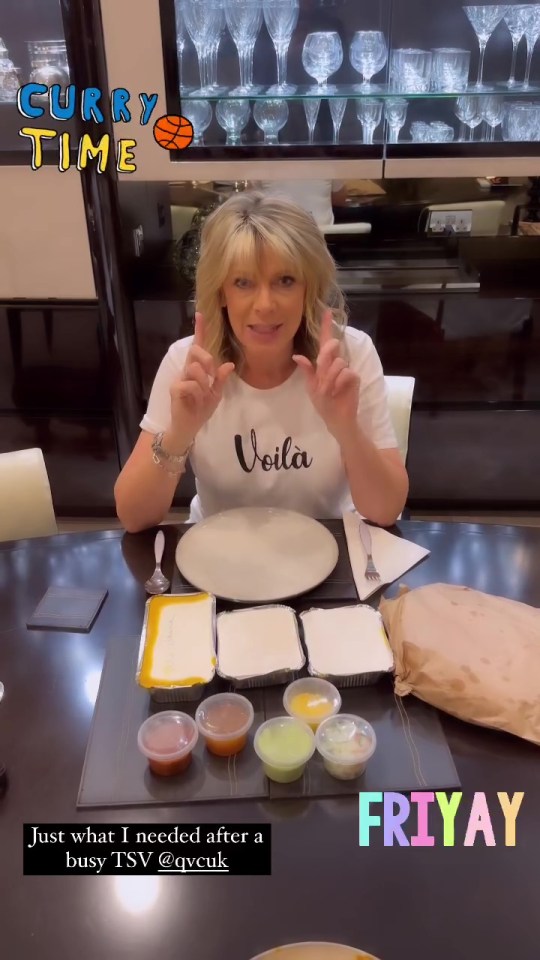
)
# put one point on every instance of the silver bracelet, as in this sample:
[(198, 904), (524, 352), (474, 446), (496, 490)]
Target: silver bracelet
[(162, 458)]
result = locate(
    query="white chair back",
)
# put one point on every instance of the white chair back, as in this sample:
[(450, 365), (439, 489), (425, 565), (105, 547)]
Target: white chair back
[(26, 507), (400, 393)]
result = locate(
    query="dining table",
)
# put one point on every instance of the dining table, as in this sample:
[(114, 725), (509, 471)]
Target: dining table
[(457, 902)]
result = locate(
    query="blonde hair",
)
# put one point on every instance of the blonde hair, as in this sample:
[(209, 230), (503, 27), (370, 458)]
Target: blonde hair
[(237, 234)]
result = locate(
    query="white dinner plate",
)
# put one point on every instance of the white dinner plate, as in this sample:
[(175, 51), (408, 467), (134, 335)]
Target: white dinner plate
[(257, 554), (315, 951)]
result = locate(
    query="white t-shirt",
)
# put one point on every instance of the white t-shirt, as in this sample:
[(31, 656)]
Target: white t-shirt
[(315, 196), (270, 447)]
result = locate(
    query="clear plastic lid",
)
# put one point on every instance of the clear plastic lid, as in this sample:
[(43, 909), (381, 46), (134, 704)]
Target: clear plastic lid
[(311, 699), (169, 735), (224, 716), (284, 742), (346, 739)]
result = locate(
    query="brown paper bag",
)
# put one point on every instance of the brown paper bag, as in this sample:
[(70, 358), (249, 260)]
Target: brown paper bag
[(470, 654)]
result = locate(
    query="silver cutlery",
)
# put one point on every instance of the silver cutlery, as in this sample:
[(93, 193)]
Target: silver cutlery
[(371, 572), (158, 582)]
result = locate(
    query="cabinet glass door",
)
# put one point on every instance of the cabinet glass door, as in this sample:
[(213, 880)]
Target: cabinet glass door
[(309, 78), (32, 50)]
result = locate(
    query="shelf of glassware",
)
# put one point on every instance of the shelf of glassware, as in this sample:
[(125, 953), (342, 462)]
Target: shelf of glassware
[(476, 122), (390, 73), (43, 61)]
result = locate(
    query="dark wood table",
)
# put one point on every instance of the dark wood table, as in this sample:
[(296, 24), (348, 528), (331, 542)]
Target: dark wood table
[(401, 903)]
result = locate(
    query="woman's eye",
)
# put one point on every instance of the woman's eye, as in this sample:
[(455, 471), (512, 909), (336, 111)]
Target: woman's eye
[(242, 282), (287, 281)]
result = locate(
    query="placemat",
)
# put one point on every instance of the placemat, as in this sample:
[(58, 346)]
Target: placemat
[(115, 773), (67, 608), (412, 753), (337, 587)]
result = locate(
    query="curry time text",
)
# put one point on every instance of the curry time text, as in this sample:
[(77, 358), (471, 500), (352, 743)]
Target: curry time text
[(63, 105)]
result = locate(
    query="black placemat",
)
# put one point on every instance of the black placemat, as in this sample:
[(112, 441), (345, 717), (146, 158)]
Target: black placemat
[(116, 773), (337, 587), (412, 752), (67, 608)]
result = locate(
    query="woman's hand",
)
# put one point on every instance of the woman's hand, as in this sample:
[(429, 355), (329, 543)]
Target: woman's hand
[(333, 387), (196, 395)]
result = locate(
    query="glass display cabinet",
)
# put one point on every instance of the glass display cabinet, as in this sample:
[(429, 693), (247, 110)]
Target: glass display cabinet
[(32, 49), (302, 79)]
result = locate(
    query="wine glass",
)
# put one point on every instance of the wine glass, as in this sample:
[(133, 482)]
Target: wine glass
[(281, 17), (199, 112), (244, 20), (215, 40), (531, 22), (203, 20), (322, 55), (484, 20), (181, 38), (311, 110), (468, 112), (369, 113), (368, 54), (492, 112), (395, 114), (271, 116), (233, 116), (337, 106), (515, 21)]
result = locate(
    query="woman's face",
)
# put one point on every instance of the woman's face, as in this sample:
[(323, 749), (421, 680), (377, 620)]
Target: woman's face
[(265, 306)]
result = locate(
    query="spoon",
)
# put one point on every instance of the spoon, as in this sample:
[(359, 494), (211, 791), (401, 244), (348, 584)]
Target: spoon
[(1, 689), (158, 583)]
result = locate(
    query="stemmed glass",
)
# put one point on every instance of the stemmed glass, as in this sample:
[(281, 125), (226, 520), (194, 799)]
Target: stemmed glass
[(468, 112), (215, 40), (515, 21), (311, 110), (203, 20), (233, 116), (368, 54), (271, 116), (281, 17), (531, 21), (484, 20), (337, 110), (322, 55), (369, 113), (200, 114), (244, 20), (180, 29), (395, 114), (492, 112)]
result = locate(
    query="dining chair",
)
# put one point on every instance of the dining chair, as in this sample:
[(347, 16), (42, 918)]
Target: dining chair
[(400, 394), (25, 496)]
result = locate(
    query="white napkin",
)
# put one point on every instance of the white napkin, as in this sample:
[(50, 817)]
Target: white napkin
[(392, 555)]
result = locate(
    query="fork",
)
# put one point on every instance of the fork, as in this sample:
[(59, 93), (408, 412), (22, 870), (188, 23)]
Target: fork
[(371, 572)]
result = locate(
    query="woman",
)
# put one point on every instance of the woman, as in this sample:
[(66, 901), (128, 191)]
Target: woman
[(272, 400)]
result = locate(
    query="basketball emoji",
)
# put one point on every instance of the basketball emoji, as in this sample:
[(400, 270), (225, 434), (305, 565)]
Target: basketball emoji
[(173, 133)]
